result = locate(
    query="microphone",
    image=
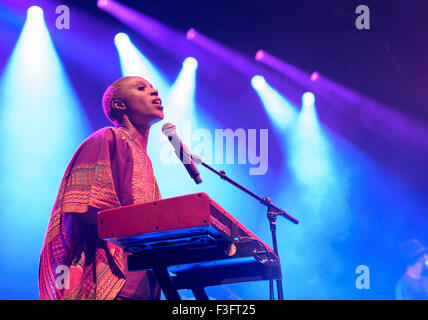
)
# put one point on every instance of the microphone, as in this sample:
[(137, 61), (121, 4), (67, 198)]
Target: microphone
[(182, 152)]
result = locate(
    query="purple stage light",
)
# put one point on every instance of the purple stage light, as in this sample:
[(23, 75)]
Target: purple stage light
[(283, 67), (148, 27), (396, 127), (190, 34), (259, 55), (227, 55), (102, 3), (314, 76)]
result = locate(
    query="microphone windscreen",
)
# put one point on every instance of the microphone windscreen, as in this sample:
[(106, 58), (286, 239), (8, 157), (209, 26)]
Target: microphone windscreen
[(168, 129), (168, 126)]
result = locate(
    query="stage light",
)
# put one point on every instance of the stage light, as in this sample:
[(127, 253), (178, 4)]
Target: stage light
[(279, 109), (314, 76), (190, 62), (159, 34), (308, 99), (34, 88), (259, 55), (102, 3), (229, 56), (34, 12), (121, 38), (310, 160), (41, 125), (134, 63), (181, 96), (258, 82), (190, 34), (283, 67)]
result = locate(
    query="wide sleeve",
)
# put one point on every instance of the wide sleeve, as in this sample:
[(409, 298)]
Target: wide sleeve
[(88, 180)]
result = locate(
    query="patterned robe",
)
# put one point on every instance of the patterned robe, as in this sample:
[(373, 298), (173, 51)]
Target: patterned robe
[(108, 170)]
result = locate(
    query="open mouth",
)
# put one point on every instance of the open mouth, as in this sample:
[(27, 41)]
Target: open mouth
[(157, 101)]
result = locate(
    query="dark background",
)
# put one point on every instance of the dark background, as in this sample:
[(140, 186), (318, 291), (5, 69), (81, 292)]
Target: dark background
[(317, 36)]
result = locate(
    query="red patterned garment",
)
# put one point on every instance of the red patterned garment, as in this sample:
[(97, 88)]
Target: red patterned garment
[(108, 170)]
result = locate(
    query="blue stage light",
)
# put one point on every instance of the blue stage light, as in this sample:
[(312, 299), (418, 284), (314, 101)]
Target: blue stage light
[(308, 99), (181, 96), (258, 82), (134, 63), (279, 109), (34, 12), (190, 62), (121, 39), (41, 125)]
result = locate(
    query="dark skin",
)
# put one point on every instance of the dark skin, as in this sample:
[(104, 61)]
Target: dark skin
[(138, 107)]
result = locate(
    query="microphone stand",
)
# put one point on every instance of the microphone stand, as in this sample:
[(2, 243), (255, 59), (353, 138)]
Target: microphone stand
[(272, 213)]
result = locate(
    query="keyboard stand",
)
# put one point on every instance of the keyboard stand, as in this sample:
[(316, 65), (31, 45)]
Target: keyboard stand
[(198, 276), (169, 288), (166, 283)]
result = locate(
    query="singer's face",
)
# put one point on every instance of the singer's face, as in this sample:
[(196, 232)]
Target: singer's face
[(143, 106)]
